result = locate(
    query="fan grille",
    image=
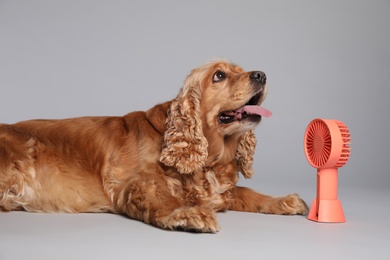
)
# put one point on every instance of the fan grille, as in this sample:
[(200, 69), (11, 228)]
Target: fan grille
[(318, 143), (346, 149)]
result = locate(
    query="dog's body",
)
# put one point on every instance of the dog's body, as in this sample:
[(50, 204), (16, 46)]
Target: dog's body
[(172, 166)]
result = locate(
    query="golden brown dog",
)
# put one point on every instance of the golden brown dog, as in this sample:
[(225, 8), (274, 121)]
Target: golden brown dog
[(173, 166)]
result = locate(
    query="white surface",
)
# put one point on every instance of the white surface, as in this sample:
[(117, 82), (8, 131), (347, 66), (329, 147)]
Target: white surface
[(242, 236)]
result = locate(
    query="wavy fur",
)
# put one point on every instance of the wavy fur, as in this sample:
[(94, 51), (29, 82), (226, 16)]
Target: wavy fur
[(185, 146)]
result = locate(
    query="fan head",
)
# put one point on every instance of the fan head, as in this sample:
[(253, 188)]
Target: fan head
[(327, 143)]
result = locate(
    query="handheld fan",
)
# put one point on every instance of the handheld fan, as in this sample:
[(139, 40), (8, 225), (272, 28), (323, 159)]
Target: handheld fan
[(327, 148)]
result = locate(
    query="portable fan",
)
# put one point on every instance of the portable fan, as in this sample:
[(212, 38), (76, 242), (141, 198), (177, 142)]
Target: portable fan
[(327, 148)]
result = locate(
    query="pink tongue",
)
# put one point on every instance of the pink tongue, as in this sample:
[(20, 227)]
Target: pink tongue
[(258, 110)]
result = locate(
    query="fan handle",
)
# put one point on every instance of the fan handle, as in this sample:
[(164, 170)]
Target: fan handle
[(326, 207)]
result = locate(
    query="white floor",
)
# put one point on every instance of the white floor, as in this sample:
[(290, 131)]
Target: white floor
[(365, 235)]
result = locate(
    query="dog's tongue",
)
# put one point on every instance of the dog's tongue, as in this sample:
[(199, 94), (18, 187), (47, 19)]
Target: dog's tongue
[(258, 110)]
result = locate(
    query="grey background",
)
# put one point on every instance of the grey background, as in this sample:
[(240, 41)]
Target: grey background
[(327, 59)]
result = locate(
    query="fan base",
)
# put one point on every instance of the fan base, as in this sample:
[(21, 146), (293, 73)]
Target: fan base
[(329, 211)]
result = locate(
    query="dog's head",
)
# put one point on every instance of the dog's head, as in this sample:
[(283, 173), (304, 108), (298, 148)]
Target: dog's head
[(216, 110), (230, 97)]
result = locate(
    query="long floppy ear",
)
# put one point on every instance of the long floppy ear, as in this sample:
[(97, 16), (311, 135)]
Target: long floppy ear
[(245, 152), (185, 146)]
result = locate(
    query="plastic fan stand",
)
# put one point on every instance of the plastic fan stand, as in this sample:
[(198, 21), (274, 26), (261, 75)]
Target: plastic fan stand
[(326, 146)]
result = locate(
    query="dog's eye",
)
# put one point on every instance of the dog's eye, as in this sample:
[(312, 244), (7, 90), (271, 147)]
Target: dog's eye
[(219, 76)]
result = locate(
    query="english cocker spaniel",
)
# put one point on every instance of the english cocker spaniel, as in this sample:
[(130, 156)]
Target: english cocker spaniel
[(173, 166)]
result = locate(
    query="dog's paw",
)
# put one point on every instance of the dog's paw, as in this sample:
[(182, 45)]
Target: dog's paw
[(292, 205), (192, 219), (289, 205)]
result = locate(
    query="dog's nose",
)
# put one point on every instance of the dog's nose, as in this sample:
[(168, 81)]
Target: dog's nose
[(258, 76)]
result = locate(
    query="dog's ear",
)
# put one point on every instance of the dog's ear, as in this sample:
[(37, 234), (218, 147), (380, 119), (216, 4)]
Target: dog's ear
[(245, 152), (185, 146)]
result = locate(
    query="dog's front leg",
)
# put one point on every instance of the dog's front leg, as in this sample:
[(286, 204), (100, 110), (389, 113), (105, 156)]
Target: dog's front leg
[(245, 199), (150, 199)]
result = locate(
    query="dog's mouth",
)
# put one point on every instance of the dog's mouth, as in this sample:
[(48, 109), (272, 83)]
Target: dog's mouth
[(250, 111)]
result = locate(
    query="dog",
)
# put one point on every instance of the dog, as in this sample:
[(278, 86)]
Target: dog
[(173, 166)]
